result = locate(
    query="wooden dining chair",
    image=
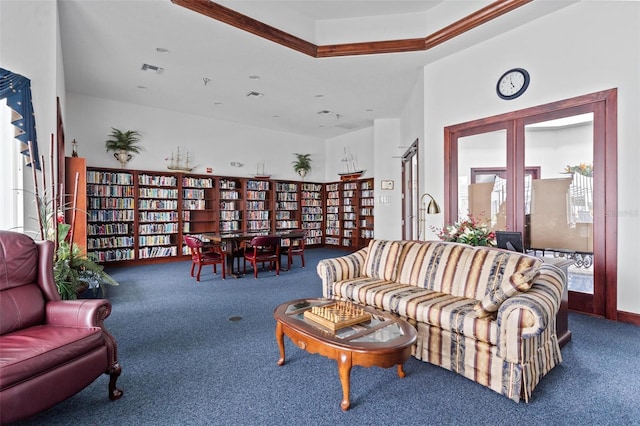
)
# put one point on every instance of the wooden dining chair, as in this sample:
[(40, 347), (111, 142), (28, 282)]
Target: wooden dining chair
[(296, 248), (263, 249), (200, 256)]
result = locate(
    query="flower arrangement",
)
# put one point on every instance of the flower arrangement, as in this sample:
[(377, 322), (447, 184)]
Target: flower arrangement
[(582, 169), (468, 231)]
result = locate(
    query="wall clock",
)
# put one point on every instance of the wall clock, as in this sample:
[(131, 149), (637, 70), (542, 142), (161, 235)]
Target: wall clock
[(512, 83)]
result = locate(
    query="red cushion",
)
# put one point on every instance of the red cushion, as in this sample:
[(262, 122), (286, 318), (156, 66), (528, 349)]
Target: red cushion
[(29, 352)]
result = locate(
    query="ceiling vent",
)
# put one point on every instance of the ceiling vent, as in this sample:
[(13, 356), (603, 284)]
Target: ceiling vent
[(156, 69), (255, 95)]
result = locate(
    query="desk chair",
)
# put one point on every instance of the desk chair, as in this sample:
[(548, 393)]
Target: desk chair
[(212, 256), (263, 249)]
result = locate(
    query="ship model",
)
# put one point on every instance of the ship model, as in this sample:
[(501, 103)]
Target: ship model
[(175, 162), (260, 174), (350, 169)]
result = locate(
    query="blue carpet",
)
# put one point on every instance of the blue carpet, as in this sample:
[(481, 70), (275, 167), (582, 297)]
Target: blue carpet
[(185, 362)]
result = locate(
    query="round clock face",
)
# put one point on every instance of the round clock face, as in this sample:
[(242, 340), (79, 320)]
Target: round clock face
[(512, 83)]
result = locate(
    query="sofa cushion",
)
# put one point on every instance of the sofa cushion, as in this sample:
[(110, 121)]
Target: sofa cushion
[(519, 282), (382, 260), (449, 312), (434, 265), (488, 269), (34, 350)]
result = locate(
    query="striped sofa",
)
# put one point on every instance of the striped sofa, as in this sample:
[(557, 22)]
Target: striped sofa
[(485, 313)]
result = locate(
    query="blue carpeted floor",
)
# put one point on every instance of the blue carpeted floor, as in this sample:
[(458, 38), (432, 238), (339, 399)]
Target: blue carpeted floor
[(185, 362)]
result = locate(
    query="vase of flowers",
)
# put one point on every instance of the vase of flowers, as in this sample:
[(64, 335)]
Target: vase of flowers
[(468, 231)]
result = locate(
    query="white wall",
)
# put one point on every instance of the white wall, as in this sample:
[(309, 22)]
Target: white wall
[(359, 144), (211, 143), (35, 24), (583, 48)]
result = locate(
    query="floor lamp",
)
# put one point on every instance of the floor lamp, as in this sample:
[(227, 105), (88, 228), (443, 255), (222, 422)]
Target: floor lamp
[(425, 209)]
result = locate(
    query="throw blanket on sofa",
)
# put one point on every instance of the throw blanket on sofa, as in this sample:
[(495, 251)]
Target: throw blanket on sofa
[(485, 313)]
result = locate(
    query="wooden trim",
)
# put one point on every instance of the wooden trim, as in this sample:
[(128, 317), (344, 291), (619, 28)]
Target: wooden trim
[(629, 317), (603, 105), (245, 23), (253, 26)]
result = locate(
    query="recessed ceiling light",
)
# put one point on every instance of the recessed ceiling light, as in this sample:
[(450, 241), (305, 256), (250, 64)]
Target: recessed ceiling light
[(368, 110), (319, 96), (254, 77), (324, 112), (253, 94), (217, 103), (275, 116), (162, 50), (141, 87)]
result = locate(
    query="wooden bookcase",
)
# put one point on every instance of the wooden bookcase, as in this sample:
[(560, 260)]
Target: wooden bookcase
[(158, 216), (258, 205), (231, 205), (110, 215), (312, 208), (199, 207), (137, 215), (349, 213), (365, 215), (332, 202)]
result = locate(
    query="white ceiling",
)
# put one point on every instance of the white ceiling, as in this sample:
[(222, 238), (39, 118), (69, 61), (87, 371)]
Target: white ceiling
[(106, 42)]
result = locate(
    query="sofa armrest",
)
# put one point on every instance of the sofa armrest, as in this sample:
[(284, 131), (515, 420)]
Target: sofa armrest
[(340, 268), (531, 315), (78, 313)]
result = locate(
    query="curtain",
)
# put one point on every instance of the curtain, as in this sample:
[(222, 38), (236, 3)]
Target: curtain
[(17, 90)]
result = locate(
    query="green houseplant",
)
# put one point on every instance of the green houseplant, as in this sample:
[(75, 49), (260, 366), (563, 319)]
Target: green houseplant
[(123, 144), (302, 164)]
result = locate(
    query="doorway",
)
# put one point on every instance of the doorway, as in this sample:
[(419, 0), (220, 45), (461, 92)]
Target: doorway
[(564, 211), (410, 226)]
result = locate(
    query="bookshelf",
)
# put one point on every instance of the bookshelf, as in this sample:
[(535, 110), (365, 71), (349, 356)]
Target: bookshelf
[(199, 210), (365, 218), (332, 229), (137, 215), (312, 212), (158, 217), (349, 214), (110, 215), (230, 205), (287, 207), (258, 205)]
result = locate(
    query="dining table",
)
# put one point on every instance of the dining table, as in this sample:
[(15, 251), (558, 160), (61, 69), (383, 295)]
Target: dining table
[(231, 242)]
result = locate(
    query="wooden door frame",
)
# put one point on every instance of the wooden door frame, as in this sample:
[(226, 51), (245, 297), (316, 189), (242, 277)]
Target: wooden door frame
[(604, 106)]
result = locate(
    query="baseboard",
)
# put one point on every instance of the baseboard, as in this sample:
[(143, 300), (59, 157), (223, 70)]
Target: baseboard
[(629, 317)]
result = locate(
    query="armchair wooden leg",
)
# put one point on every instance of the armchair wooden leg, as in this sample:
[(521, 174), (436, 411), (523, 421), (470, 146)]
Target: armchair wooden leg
[(114, 372)]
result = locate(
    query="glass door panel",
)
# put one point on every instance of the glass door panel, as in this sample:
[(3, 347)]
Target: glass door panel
[(482, 191), (559, 218)]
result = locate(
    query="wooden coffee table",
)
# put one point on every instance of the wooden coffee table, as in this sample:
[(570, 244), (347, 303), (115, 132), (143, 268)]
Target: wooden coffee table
[(384, 341)]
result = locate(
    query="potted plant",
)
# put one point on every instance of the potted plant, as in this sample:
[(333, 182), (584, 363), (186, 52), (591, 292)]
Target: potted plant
[(123, 144), (302, 165), (73, 272)]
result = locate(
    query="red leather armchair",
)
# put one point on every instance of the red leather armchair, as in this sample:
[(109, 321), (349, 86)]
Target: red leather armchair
[(50, 349)]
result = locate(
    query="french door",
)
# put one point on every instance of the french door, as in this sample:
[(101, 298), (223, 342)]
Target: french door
[(561, 210)]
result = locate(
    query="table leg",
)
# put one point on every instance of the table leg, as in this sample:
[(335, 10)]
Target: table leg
[(401, 372), (344, 371), (280, 340)]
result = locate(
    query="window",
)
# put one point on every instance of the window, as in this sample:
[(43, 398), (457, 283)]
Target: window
[(11, 194)]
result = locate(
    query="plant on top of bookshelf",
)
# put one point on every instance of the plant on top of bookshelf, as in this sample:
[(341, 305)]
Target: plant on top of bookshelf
[(123, 144)]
